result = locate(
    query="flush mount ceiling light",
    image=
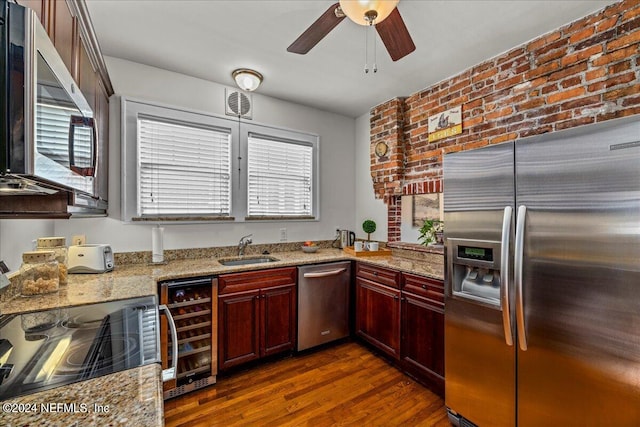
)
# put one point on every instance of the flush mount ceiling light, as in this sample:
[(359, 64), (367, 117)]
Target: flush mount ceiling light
[(368, 12), (246, 79)]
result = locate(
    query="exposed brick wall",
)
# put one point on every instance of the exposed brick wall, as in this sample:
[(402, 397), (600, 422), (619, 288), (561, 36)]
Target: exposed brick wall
[(585, 72)]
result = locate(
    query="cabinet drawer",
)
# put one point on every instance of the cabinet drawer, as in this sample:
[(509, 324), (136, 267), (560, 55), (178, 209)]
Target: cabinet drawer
[(251, 280), (429, 288), (378, 274)]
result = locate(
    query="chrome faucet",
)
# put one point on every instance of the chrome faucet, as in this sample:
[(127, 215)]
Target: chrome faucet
[(244, 241)]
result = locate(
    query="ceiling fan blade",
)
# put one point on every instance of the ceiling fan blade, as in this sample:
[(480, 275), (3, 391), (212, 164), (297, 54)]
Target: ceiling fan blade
[(395, 36), (316, 31)]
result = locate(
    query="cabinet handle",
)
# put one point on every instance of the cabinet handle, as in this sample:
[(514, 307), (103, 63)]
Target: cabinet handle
[(395, 297), (375, 273), (424, 286)]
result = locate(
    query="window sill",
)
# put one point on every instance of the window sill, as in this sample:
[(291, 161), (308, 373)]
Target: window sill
[(280, 218), (183, 218)]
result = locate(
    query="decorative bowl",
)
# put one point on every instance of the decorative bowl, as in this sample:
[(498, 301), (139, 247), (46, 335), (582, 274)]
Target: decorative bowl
[(310, 249)]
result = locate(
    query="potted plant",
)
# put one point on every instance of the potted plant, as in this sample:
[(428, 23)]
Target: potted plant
[(369, 226), (431, 232)]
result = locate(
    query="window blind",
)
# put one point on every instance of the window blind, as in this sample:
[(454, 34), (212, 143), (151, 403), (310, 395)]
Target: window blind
[(279, 177), (183, 170), (52, 136)]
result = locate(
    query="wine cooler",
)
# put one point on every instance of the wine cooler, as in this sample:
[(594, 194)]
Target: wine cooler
[(193, 305)]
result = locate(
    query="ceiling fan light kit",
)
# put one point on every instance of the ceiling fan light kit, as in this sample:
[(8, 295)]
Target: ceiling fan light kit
[(246, 79), (369, 12), (381, 14)]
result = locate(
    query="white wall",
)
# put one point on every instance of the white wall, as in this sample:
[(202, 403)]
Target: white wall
[(337, 173), (16, 236), (367, 206)]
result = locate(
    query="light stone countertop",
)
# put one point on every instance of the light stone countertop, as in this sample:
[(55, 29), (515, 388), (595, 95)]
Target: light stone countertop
[(135, 396), (128, 398), (136, 280)]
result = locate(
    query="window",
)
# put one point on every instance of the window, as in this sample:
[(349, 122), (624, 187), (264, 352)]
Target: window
[(189, 166), (280, 177), (183, 169)]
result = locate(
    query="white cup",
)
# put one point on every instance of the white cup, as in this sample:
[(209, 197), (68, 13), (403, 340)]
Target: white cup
[(373, 246), (357, 246)]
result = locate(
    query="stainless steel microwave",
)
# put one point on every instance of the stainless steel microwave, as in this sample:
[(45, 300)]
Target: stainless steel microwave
[(48, 127)]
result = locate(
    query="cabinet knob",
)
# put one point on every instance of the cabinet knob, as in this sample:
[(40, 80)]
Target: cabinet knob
[(424, 286), (375, 273)]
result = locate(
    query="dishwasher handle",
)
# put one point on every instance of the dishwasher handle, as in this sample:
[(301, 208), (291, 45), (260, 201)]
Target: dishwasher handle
[(325, 273), (170, 373)]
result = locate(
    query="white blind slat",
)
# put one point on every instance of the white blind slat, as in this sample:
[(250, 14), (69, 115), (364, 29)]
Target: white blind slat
[(183, 169), (279, 177)]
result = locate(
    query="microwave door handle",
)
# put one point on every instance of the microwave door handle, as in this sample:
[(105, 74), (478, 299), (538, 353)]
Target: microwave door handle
[(89, 122), (518, 259), (504, 274), (170, 373)]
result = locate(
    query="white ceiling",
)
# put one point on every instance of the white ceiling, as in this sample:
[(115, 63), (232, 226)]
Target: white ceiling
[(209, 39)]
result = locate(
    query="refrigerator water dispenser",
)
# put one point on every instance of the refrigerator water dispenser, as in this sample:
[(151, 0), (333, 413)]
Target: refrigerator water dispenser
[(475, 270)]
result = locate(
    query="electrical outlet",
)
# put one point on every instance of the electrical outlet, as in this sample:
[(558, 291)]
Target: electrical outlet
[(79, 239), (283, 234)]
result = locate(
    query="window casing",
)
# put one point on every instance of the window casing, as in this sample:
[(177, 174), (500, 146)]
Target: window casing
[(219, 159)]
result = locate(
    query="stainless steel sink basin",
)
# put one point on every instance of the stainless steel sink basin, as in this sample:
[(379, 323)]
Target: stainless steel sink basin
[(246, 260)]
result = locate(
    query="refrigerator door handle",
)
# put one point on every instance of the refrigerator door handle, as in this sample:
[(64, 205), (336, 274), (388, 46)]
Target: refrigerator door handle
[(518, 259), (170, 373), (504, 274)]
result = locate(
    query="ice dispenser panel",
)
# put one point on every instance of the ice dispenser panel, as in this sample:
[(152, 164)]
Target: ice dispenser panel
[(474, 268)]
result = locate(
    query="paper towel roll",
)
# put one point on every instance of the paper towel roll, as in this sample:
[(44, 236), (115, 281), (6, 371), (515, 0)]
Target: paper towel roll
[(157, 244)]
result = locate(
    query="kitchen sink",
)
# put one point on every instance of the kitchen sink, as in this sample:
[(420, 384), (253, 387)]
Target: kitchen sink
[(246, 260)]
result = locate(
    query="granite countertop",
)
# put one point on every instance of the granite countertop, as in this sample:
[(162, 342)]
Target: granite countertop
[(136, 280), (127, 398), (134, 397)]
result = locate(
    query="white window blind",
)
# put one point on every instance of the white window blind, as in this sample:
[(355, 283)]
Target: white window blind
[(279, 177), (183, 170), (52, 136)]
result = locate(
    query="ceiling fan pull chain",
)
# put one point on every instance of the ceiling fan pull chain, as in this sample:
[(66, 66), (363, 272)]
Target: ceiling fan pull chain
[(366, 50), (375, 65)]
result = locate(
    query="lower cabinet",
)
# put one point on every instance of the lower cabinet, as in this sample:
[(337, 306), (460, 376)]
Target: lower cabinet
[(402, 315), (378, 315), (256, 315)]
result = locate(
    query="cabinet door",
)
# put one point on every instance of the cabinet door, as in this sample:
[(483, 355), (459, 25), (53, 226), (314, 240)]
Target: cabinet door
[(39, 7), (378, 315), (63, 31), (278, 306), (422, 346), (239, 328)]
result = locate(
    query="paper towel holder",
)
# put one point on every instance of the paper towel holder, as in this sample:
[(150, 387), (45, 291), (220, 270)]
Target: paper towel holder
[(157, 246)]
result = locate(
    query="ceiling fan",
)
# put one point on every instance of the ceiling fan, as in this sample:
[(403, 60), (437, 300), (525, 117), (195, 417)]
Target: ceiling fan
[(383, 14)]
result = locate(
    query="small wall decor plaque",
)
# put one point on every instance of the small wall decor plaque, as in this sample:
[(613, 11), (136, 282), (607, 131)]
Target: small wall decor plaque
[(445, 124)]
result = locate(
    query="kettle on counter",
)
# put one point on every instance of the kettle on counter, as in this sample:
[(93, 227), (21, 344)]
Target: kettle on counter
[(347, 238)]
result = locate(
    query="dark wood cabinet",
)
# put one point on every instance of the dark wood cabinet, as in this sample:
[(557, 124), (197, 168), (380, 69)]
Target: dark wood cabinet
[(378, 308), (239, 328), (422, 343), (63, 32), (257, 315), (402, 315)]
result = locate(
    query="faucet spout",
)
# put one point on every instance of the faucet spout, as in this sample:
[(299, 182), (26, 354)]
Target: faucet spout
[(244, 241)]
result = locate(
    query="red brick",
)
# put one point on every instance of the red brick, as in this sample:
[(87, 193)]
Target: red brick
[(622, 92), (616, 56), (555, 54), (619, 67), (571, 81), (499, 113), (537, 130), (606, 24), (588, 32), (618, 80), (632, 13), (581, 102), (503, 138), (581, 55), (542, 70), (510, 82), (631, 101), (574, 122), (543, 41), (595, 74), (596, 87), (555, 118), (629, 39)]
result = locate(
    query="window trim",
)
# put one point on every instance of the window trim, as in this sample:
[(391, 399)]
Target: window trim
[(240, 130)]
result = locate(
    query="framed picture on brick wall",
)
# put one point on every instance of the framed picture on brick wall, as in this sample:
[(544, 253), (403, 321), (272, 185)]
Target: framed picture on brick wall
[(445, 124)]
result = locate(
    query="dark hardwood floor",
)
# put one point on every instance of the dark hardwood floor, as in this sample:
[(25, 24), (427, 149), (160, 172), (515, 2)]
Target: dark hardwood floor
[(336, 386)]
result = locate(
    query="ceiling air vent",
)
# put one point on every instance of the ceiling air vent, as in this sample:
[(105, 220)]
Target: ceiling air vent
[(238, 104)]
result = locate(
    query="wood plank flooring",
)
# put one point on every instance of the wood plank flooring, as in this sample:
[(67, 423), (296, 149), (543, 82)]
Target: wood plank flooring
[(337, 386)]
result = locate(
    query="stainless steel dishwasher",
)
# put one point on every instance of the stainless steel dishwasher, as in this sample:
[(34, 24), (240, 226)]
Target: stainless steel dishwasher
[(323, 303)]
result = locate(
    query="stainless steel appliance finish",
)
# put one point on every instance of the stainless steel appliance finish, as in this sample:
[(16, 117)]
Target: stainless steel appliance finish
[(323, 303), (347, 238), (46, 349), (48, 132), (560, 345)]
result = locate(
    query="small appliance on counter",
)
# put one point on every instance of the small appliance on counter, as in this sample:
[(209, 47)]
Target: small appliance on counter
[(347, 238), (90, 258)]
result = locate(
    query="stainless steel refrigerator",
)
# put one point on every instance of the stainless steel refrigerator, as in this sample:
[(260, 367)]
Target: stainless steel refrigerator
[(542, 308)]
